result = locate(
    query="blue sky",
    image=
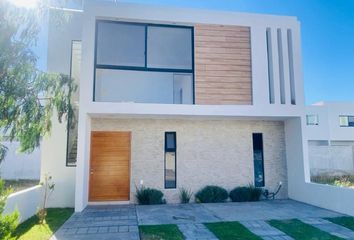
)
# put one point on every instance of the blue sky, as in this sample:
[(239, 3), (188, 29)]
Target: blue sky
[(327, 39)]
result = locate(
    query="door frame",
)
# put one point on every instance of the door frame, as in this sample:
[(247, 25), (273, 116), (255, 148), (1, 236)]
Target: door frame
[(90, 202)]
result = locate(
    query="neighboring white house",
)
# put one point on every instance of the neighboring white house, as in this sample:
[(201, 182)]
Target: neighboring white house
[(330, 133), (20, 165), (173, 97)]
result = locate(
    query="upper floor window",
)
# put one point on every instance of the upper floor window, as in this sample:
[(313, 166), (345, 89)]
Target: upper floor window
[(346, 121), (312, 119), (120, 44), (143, 63)]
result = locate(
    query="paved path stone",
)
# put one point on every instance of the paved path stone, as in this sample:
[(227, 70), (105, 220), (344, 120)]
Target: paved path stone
[(101, 222), (265, 231), (196, 232), (330, 227)]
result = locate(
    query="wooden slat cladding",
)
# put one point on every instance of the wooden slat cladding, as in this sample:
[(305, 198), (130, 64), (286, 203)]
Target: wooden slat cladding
[(222, 65), (110, 166)]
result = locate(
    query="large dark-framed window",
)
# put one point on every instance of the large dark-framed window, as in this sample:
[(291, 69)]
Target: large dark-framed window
[(145, 47), (258, 159), (170, 160)]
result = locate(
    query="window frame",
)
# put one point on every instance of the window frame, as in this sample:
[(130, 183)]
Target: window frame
[(317, 120), (145, 68), (254, 169), (350, 123), (166, 151), (67, 164)]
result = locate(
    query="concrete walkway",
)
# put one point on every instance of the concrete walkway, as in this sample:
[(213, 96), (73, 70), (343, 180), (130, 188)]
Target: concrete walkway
[(121, 221), (264, 230), (330, 227), (101, 222)]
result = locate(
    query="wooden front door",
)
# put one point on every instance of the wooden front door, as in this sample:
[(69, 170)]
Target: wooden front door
[(110, 166)]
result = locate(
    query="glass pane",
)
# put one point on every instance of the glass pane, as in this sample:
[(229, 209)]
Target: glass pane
[(258, 168), (169, 47), (170, 141), (138, 86), (258, 159), (170, 171), (121, 44), (182, 89), (312, 119), (343, 121), (351, 121)]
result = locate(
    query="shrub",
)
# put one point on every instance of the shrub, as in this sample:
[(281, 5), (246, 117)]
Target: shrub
[(211, 194), (8, 223), (245, 194), (185, 195), (149, 196)]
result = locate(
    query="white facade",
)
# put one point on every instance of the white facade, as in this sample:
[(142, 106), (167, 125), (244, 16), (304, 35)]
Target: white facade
[(261, 108), (279, 98), (329, 128), (331, 143)]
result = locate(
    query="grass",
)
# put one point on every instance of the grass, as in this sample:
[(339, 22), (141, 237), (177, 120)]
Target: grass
[(340, 181), (231, 231), (160, 232), (20, 184), (347, 222), (30, 229), (301, 231)]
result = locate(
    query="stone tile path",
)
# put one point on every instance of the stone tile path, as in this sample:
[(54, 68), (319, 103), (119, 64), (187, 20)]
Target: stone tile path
[(120, 222), (101, 222), (196, 231), (264, 230), (330, 227)]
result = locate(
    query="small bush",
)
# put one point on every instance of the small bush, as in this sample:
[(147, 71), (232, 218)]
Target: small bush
[(149, 196), (211, 194), (245, 194), (9, 222), (185, 195)]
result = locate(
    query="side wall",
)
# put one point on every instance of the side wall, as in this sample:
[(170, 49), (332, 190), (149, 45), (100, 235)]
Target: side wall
[(65, 26), (26, 202), (20, 165), (217, 152), (300, 188), (53, 157)]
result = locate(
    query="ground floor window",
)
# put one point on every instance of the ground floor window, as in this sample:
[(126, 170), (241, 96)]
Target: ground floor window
[(170, 159), (258, 159)]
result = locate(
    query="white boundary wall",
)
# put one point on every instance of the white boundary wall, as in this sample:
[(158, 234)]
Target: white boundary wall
[(20, 165), (26, 202), (300, 188)]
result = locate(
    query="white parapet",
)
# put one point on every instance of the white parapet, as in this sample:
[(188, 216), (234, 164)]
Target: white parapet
[(26, 202)]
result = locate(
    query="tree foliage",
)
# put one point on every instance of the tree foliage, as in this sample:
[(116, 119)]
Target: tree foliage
[(28, 96)]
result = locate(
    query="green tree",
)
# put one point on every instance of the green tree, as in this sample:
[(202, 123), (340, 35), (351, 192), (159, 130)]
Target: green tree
[(28, 96)]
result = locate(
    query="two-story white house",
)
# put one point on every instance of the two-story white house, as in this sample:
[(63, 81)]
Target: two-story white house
[(330, 133), (171, 98)]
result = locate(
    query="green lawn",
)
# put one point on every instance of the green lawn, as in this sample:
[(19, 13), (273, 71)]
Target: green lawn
[(347, 222), (160, 232), (30, 229), (301, 231), (231, 231)]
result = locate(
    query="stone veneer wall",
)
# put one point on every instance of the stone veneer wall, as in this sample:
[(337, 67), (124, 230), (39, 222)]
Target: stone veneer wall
[(209, 152)]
